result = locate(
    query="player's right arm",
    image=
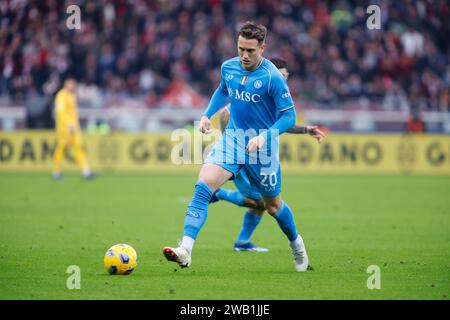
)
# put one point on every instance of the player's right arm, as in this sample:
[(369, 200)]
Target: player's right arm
[(217, 101), (224, 117)]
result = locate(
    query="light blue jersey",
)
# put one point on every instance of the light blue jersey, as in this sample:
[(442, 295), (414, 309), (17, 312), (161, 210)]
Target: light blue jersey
[(257, 98)]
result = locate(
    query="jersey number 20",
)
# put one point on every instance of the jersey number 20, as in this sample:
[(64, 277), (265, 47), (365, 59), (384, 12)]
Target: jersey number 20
[(269, 179)]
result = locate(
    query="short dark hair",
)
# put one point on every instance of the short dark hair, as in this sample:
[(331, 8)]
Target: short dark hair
[(279, 63), (252, 31)]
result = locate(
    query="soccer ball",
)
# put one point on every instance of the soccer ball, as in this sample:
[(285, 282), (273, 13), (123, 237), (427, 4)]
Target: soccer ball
[(120, 259)]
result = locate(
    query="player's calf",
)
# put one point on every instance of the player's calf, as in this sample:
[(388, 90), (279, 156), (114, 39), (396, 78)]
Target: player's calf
[(285, 220)]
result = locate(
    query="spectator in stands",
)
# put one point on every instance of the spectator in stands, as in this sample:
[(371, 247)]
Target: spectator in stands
[(139, 47)]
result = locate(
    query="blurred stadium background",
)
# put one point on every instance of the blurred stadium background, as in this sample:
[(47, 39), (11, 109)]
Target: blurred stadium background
[(151, 66)]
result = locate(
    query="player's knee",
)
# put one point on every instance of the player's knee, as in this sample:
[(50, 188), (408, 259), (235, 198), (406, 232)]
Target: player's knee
[(273, 207), (257, 205), (257, 211), (214, 176), (273, 204), (260, 205)]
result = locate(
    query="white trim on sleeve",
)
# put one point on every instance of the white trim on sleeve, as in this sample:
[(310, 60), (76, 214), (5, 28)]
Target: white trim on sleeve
[(286, 108)]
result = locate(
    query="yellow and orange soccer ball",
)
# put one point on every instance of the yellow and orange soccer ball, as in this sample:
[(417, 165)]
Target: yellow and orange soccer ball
[(120, 259)]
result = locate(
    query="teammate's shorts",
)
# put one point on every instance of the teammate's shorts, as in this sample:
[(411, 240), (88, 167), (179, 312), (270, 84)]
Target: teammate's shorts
[(242, 183)]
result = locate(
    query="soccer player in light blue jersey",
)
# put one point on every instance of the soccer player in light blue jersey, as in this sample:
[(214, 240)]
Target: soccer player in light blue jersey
[(261, 109), (247, 195)]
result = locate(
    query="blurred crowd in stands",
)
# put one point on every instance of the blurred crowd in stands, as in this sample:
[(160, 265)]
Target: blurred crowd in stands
[(141, 47)]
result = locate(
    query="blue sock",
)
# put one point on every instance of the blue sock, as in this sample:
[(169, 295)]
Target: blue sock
[(197, 210), (286, 222), (249, 225), (231, 196)]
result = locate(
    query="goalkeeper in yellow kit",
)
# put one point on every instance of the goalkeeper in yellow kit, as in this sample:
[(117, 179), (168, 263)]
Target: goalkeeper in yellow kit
[(68, 130)]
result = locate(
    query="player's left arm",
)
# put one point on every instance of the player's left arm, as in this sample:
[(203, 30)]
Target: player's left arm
[(285, 121), (224, 116), (279, 91), (313, 131)]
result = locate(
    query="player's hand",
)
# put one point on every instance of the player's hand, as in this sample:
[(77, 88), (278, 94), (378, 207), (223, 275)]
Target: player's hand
[(255, 143), (316, 133), (72, 128), (205, 125)]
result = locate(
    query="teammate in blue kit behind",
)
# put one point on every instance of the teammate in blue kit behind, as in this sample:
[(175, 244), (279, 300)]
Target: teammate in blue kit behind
[(261, 109), (247, 195)]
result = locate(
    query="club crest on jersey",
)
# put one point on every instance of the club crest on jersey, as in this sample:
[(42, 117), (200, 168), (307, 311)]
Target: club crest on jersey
[(257, 84), (228, 76)]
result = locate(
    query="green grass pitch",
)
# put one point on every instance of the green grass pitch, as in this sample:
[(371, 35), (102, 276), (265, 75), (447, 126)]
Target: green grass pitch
[(400, 224)]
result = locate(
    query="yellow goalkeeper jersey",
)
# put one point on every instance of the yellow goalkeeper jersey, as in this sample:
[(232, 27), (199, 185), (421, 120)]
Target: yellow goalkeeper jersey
[(66, 111)]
